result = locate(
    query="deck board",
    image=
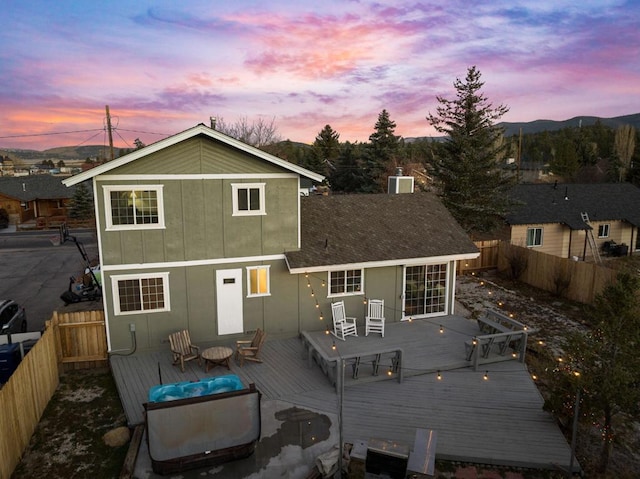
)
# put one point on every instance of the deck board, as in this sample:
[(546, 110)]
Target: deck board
[(496, 421)]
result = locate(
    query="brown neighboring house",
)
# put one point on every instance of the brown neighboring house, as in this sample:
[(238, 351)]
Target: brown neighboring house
[(27, 198), (551, 218)]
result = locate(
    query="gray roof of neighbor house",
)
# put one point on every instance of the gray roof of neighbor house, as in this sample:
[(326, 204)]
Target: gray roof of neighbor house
[(564, 203), (185, 135), (33, 187), (379, 230)]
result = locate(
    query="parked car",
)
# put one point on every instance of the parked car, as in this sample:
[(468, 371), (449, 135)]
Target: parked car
[(13, 317)]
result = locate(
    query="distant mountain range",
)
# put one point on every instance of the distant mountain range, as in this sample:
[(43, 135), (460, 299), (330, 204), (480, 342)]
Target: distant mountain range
[(551, 125), (80, 153)]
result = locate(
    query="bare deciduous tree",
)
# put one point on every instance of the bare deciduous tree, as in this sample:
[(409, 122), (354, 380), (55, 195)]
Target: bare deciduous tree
[(624, 144), (256, 133)]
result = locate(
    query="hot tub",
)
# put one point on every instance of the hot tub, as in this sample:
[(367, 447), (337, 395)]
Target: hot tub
[(191, 389)]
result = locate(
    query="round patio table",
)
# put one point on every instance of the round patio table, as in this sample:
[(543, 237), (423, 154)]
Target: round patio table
[(216, 356)]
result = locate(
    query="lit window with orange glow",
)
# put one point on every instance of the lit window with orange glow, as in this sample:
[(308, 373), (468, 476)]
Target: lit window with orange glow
[(258, 281)]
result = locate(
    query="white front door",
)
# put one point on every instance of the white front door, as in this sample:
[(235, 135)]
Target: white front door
[(229, 292)]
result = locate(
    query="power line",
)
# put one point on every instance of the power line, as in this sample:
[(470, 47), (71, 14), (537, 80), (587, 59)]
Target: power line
[(50, 134)]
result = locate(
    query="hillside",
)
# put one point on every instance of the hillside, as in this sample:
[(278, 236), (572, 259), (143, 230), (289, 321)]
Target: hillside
[(80, 153), (551, 125)]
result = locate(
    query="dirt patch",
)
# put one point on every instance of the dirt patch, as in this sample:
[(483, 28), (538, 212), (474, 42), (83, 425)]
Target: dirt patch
[(68, 440)]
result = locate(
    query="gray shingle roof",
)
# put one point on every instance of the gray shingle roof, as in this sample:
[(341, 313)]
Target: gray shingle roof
[(348, 229), (546, 203), (32, 187)]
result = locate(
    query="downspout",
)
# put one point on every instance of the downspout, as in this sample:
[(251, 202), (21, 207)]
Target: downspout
[(584, 250)]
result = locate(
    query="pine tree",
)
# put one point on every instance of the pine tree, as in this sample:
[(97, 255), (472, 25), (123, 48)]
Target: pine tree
[(473, 186), (345, 173), (382, 154), (604, 363), (326, 149), (81, 203)]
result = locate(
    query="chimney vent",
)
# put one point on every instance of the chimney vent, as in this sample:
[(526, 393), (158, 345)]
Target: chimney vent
[(212, 120)]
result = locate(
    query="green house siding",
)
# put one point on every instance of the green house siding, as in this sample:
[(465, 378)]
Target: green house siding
[(197, 156), (288, 310), (199, 223)]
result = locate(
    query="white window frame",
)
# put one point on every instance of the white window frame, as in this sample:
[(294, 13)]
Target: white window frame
[(605, 228), (534, 245), (344, 291), (122, 277), (235, 187), (250, 293), (108, 189)]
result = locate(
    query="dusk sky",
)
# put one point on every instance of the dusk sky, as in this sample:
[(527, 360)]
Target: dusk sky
[(165, 66)]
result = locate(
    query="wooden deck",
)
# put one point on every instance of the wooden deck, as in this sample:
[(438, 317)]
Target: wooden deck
[(497, 421)]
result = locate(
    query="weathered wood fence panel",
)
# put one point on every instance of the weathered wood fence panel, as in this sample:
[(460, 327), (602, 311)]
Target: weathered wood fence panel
[(82, 339), (576, 280), (488, 258), (71, 341)]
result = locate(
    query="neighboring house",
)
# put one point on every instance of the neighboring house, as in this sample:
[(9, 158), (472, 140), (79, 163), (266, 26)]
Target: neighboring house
[(200, 231), (549, 217), (29, 197)]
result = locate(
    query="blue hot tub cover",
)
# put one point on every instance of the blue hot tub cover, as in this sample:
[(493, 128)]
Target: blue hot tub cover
[(191, 389)]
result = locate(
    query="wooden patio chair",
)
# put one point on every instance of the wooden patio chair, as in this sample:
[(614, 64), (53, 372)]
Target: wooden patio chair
[(342, 325), (182, 348), (250, 350), (374, 321)]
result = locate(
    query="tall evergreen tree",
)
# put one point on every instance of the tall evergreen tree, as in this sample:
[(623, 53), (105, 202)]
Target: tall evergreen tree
[(473, 186), (383, 151), (326, 148), (345, 174)]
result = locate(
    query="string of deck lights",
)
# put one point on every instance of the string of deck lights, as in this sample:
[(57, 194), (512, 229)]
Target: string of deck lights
[(441, 329)]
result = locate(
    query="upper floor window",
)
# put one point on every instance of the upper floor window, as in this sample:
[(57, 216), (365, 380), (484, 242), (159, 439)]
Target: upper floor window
[(248, 199), (345, 282), (603, 231), (534, 237), (258, 281), (134, 207), (140, 293)]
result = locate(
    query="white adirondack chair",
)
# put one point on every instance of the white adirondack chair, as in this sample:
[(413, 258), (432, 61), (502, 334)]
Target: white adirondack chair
[(342, 325), (374, 321)]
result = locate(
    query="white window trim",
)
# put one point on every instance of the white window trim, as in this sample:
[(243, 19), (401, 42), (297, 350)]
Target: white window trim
[(107, 189), (541, 237), (116, 295), (243, 186), (256, 295), (353, 293), (604, 226)]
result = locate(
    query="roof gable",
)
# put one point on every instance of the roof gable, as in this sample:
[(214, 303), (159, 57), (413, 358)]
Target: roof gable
[(197, 131), (352, 229), (563, 203)]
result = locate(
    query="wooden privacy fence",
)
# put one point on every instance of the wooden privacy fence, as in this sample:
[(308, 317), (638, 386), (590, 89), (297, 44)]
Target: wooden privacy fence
[(72, 340), (574, 280), (488, 258)]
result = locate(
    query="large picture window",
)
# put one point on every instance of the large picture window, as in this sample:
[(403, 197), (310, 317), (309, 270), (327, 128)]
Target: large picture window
[(534, 237), (248, 199), (134, 207), (258, 281), (145, 293), (345, 282), (425, 290)]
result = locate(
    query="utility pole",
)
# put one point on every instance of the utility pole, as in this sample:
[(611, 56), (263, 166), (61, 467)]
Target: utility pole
[(110, 134)]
